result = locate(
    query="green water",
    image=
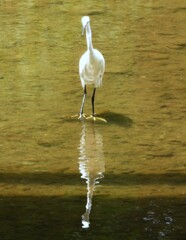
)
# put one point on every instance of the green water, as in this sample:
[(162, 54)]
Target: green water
[(49, 162)]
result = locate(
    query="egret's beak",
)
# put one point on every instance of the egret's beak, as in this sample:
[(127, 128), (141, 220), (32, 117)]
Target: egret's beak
[(83, 28)]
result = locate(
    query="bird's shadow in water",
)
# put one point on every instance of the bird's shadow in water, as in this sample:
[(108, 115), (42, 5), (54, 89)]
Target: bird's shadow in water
[(117, 119), (111, 118)]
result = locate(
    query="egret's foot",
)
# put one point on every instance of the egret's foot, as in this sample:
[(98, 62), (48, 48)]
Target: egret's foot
[(96, 118), (82, 116), (79, 116)]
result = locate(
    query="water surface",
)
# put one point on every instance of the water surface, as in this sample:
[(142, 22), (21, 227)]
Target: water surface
[(61, 178)]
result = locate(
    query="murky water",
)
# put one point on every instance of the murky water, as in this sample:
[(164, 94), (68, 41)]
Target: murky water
[(61, 178)]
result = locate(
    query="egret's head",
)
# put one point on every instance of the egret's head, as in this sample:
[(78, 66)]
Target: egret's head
[(85, 20)]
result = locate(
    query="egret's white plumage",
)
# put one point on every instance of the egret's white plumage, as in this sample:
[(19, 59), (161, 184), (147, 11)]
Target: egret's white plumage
[(91, 65), (91, 68)]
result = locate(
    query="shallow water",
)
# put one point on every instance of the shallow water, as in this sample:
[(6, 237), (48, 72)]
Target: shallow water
[(124, 179)]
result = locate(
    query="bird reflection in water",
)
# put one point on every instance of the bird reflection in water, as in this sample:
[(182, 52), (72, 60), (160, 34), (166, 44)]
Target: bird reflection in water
[(91, 163)]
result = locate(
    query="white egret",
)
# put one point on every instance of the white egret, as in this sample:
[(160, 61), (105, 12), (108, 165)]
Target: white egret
[(91, 67)]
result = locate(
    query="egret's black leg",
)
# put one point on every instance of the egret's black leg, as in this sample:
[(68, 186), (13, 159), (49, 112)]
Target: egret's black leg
[(93, 96), (83, 101)]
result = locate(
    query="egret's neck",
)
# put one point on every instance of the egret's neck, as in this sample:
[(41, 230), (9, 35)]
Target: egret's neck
[(89, 37)]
